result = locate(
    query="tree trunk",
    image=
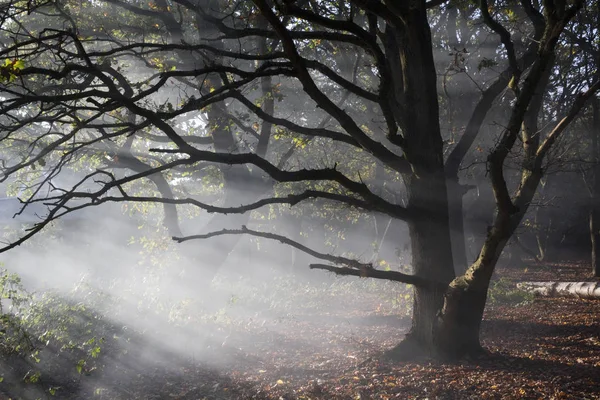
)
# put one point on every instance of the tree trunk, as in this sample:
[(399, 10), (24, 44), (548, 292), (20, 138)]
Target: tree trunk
[(457, 332), (595, 239), (542, 226), (457, 227), (595, 190), (431, 256), (415, 102)]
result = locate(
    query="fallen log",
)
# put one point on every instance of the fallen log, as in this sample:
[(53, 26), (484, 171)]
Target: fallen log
[(582, 290)]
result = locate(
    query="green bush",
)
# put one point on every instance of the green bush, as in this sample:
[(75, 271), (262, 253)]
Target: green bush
[(504, 291), (14, 300), (36, 328)]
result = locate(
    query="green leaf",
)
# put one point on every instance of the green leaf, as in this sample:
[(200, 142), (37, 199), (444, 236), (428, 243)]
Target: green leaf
[(80, 365)]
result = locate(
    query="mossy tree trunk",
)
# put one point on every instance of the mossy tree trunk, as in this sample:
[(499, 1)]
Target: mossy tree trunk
[(458, 326)]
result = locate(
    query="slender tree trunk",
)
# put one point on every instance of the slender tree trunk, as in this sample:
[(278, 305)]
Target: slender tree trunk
[(595, 239), (595, 197), (457, 227), (541, 229), (595, 191), (458, 110)]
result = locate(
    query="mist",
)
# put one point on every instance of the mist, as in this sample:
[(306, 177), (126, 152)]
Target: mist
[(110, 280), (231, 200)]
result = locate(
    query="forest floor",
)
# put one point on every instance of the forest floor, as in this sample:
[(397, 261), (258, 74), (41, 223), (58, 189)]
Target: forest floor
[(543, 348)]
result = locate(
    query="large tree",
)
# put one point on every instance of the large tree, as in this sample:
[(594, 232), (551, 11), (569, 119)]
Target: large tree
[(196, 88)]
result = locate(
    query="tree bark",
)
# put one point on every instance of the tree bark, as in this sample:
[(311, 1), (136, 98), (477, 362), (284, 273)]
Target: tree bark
[(415, 90), (457, 227), (595, 190), (459, 323), (431, 256), (595, 240)]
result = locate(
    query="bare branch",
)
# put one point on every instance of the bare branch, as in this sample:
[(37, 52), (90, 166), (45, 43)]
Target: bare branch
[(283, 239), (434, 3), (375, 148), (504, 38), (353, 267), (377, 274), (291, 199), (576, 107), (480, 111), (326, 174)]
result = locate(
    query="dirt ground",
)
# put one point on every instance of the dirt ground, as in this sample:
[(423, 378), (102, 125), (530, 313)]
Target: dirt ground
[(540, 349), (545, 349)]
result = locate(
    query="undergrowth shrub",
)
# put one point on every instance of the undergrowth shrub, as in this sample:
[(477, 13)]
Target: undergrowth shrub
[(46, 334), (504, 291), (13, 301)]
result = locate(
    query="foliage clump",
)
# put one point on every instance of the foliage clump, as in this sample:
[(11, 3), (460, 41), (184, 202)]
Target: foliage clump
[(41, 334), (503, 291)]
